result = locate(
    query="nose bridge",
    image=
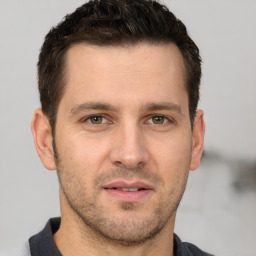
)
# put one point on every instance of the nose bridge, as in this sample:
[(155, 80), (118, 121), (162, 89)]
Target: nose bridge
[(129, 149)]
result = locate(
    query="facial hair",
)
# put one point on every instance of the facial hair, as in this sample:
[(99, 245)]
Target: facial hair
[(131, 230)]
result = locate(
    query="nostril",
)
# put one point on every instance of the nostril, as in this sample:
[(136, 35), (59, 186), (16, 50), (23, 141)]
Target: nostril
[(119, 164), (129, 158)]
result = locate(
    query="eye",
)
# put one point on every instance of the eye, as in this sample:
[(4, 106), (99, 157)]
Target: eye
[(158, 120), (96, 119)]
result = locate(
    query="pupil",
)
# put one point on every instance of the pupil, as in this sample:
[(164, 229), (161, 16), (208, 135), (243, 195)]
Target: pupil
[(96, 119), (158, 119)]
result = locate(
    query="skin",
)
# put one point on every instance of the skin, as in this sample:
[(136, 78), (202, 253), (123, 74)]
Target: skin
[(142, 133)]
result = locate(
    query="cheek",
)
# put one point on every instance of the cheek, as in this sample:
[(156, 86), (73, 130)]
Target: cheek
[(79, 153), (172, 155)]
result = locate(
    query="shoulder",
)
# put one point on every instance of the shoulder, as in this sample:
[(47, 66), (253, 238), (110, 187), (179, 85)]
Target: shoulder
[(187, 249), (43, 243), (194, 250)]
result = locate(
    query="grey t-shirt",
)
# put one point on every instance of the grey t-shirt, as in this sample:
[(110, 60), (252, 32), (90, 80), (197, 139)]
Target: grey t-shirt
[(42, 244)]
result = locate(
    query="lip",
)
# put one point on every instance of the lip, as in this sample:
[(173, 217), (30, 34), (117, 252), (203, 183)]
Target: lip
[(126, 184), (128, 196)]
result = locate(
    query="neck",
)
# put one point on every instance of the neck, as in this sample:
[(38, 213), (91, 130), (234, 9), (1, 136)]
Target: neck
[(71, 240)]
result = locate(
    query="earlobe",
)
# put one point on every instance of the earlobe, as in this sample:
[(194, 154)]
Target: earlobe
[(198, 140), (42, 134)]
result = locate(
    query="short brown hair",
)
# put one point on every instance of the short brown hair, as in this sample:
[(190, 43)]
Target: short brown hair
[(113, 22)]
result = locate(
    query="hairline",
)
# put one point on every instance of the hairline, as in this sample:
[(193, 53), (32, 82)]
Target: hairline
[(121, 44)]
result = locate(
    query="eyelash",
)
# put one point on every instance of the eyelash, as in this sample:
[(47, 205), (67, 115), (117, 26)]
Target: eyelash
[(167, 119), (87, 119)]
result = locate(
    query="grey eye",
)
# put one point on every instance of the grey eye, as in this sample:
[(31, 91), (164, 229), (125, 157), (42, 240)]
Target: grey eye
[(96, 119), (158, 119)]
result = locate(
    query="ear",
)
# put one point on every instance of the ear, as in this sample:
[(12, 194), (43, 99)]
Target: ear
[(198, 140), (42, 134)]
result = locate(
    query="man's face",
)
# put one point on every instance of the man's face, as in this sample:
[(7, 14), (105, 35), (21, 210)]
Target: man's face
[(123, 138)]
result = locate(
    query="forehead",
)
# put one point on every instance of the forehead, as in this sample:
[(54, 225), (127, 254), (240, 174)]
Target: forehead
[(142, 72)]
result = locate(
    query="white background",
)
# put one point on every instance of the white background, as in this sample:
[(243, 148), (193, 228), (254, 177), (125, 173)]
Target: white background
[(214, 215)]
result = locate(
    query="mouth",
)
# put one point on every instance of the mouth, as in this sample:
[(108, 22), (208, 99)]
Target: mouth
[(128, 192), (129, 189)]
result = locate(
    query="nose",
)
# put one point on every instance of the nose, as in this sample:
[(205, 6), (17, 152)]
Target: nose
[(129, 148)]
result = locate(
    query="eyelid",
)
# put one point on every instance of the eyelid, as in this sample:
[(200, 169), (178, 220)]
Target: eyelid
[(107, 119), (167, 119), (87, 118)]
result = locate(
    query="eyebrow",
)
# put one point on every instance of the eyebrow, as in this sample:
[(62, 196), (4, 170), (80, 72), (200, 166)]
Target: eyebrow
[(148, 107), (92, 106), (163, 106)]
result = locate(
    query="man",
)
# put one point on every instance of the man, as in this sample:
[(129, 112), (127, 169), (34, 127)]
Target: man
[(119, 87)]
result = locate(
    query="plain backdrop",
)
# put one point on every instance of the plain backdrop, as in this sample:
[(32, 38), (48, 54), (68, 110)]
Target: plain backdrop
[(225, 31)]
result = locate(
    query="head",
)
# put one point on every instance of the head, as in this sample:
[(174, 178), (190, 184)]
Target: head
[(119, 86), (113, 23)]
